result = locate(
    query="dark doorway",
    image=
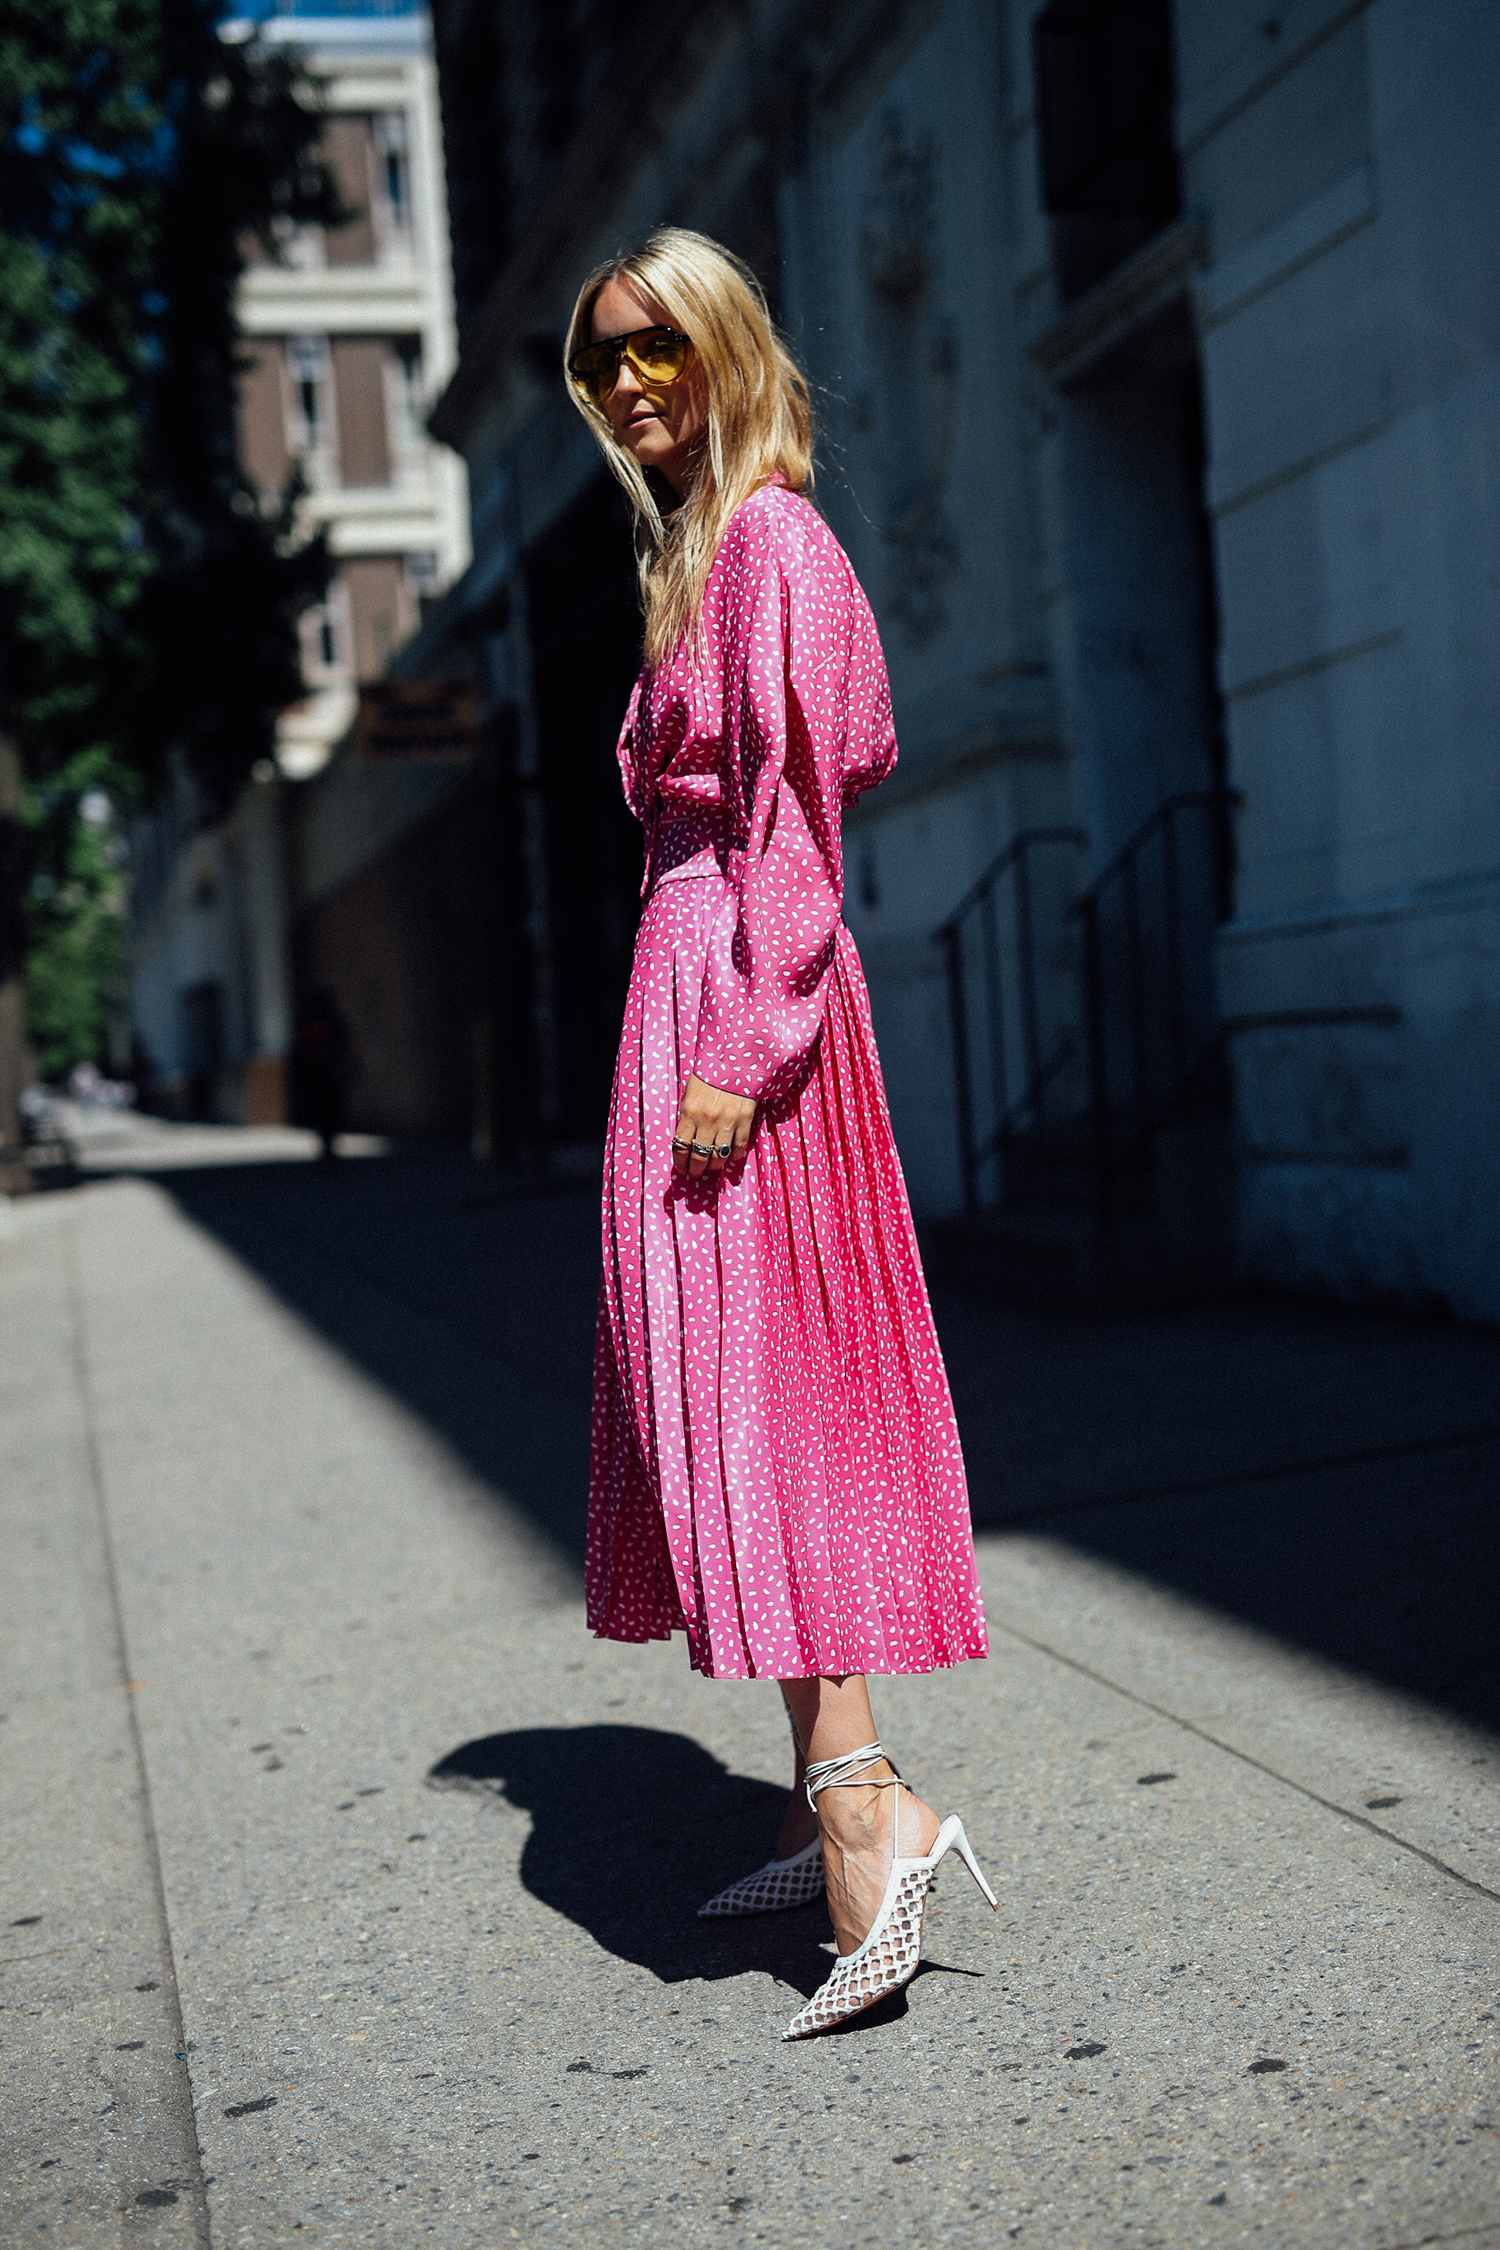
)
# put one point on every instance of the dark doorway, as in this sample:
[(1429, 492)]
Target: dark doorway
[(1105, 93), (1141, 567), (1150, 720), (203, 1045), (586, 649)]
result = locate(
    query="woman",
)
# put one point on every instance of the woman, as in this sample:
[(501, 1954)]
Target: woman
[(776, 1469)]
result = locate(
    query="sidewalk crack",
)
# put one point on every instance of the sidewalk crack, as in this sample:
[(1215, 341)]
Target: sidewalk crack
[(1246, 1758)]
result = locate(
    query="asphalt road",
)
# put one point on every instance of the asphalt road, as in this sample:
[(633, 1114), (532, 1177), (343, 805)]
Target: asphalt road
[(348, 1886)]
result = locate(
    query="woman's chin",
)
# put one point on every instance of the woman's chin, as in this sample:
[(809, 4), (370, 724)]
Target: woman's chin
[(664, 459), (649, 449)]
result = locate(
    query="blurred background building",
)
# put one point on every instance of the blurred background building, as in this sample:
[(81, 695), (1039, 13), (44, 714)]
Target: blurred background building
[(349, 336), (1156, 356)]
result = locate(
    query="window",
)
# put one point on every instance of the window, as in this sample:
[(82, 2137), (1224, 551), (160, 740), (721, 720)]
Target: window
[(1104, 86), (407, 392), (424, 580), (311, 434), (394, 170), (305, 357), (325, 640)]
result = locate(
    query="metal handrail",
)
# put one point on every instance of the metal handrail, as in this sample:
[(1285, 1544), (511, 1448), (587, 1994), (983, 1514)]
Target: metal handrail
[(1126, 870), (1223, 800), (980, 898), (1143, 1115), (1021, 842)]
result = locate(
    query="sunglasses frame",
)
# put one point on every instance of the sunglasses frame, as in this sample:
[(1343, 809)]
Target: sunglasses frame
[(624, 352)]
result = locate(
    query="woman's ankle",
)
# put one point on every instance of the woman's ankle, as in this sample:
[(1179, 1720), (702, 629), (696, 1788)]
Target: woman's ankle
[(883, 1820)]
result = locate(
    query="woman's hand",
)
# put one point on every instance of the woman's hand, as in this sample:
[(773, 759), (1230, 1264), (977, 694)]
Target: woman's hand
[(719, 1125)]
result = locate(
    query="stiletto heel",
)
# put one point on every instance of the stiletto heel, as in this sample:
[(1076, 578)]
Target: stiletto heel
[(892, 1950), (961, 1845)]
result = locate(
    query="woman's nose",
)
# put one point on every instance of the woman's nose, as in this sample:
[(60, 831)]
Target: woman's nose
[(627, 383)]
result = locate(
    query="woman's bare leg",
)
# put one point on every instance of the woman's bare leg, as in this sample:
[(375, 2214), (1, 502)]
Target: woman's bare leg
[(833, 1718), (800, 1824)]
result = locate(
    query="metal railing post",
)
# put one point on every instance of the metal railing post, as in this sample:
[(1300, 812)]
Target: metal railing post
[(1093, 969), (963, 1091), (994, 1018), (1135, 970), (978, 906), (1026, 968), (1172, 898)]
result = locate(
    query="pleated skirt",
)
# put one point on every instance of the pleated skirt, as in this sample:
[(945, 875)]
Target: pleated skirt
[(775, 1468)]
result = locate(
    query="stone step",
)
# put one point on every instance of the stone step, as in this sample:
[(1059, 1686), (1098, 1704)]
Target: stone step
[(1056, 1261), (1058, 1171)]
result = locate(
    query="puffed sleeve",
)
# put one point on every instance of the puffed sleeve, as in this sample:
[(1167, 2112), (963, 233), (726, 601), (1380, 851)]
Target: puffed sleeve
[(797, 642)]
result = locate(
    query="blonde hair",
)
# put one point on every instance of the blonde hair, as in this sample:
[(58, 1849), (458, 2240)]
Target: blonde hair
[(759, 415)]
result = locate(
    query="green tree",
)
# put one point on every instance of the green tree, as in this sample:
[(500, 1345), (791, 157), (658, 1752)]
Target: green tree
[(147, 603), (77, 965)]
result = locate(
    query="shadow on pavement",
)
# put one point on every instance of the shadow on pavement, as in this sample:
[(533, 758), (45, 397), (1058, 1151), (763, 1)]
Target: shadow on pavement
[(631, 1830), (469, 1298), (1329, 1477)]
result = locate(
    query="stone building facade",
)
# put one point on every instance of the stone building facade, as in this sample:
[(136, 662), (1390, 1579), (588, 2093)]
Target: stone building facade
[(1156, 363), (349, 336)]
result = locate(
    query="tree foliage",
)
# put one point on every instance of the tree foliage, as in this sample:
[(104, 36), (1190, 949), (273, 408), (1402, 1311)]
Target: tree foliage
[(77, 965), (148, 602), (218, 611), (81, 164)]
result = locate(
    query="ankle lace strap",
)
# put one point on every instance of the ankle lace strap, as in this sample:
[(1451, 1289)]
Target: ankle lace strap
[(844, 1773), (848, 1773)]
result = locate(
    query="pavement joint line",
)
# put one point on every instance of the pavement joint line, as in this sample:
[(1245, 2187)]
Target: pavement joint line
[(1232, 1750), (172, 1995), (1363, 1457), (1462, 2234)]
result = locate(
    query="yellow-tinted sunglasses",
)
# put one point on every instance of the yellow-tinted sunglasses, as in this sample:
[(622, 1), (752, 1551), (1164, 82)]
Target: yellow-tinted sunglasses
[(658, 355)]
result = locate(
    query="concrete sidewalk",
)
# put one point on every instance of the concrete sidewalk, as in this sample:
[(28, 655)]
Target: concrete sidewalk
[(349, 1887)]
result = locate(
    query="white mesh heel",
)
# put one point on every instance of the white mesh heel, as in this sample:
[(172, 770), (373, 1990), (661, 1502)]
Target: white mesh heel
[(890, 1954), (780, 1884)]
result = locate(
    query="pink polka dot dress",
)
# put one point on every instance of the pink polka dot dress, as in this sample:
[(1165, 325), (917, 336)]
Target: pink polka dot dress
[(775, 1466)]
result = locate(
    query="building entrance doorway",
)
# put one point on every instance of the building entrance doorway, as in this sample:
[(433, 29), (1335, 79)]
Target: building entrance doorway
[(1149, 718), (203, 1046), (585, 624)]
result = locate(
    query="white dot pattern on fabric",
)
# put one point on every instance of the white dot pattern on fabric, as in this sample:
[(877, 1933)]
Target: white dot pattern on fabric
[(775, 1466)]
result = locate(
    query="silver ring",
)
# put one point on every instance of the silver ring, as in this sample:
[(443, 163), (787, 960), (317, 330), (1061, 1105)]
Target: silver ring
[(726, 1150), (681, 1145), (699, 1149)]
